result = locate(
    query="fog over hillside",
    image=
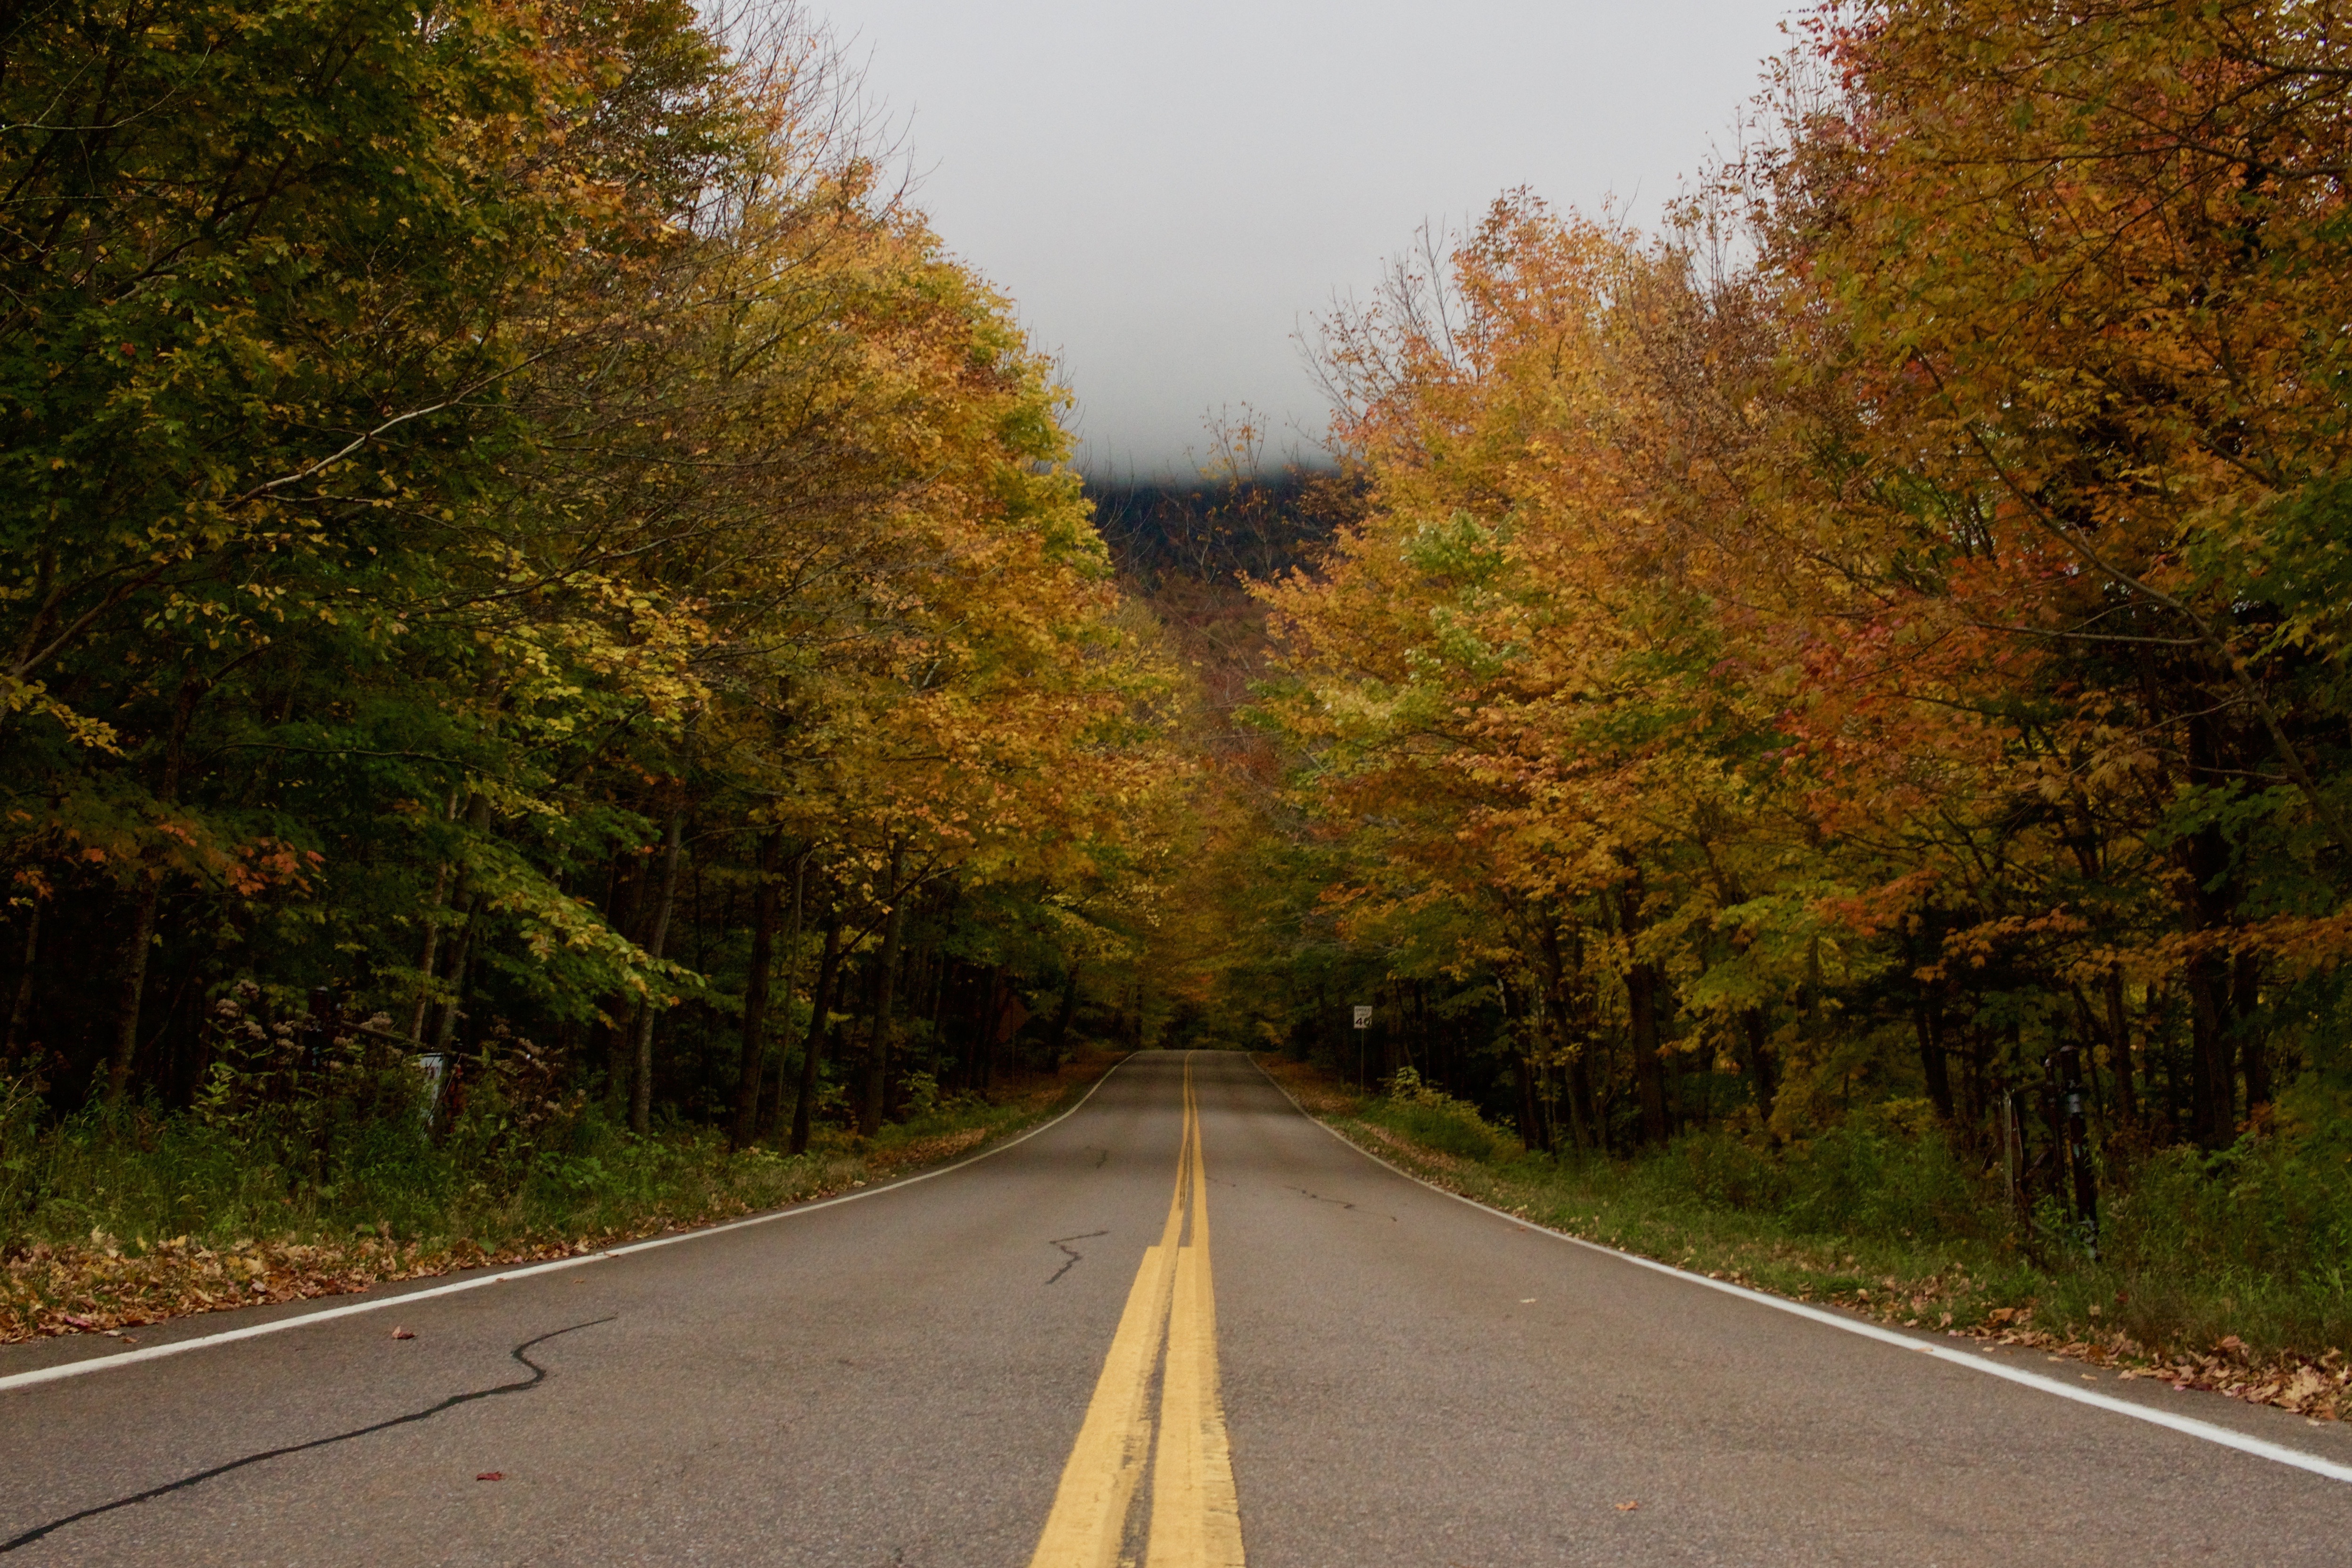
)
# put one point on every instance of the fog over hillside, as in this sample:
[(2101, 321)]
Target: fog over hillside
[(1169, 194)]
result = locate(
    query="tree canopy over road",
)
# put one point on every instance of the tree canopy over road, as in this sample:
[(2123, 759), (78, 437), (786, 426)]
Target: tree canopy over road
[(521, 547)]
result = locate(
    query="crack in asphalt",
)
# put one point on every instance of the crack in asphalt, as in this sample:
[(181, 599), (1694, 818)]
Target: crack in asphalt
[(1342, 1203), (537, 1375), (1101, 1155), (1071, 1253)]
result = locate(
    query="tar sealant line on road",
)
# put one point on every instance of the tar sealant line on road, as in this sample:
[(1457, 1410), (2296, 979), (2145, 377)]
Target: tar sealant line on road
[(304, 1320), (2262, 1448)]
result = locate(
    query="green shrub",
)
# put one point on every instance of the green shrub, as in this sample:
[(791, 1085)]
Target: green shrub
[(1437, 1121)]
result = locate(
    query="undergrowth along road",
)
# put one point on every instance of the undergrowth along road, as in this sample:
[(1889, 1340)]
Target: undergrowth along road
[(128, 1270)]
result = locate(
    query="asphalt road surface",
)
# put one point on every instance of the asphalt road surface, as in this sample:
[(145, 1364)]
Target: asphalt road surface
[(1150, 1333)]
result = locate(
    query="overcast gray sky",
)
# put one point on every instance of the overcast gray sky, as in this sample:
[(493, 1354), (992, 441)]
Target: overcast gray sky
[(1170, 191)]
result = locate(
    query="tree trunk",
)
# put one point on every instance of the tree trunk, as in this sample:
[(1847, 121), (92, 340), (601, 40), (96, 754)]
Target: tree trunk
[(430, 956), (2119, 1048), (1927, 1018), (1062, 1016), (1641, 981), (772, 1102), (2212, 1107), (641, 1075), (1532, 1130), (828, 972), (1556, 1024), (2211, 894), (1649, 1069), (20, 1012), (1579, 1092), (877, 1054), (467, 901), (461, 964), (988, 1004), (628, 895), (1981, 1103), (2245, 999), (754, 1053), (1579, 1131), (1764, 1075), (133, 983)]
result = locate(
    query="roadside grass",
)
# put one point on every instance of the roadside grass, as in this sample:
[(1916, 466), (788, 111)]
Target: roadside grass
[(110, 1222), (2222, 1272)]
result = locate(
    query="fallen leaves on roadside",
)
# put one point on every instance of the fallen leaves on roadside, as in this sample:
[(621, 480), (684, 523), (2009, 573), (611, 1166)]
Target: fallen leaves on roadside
[(1627, 1507), (404, 1333), (105, 1283), (64, 1287), (1315, 1091), (491, 1476)]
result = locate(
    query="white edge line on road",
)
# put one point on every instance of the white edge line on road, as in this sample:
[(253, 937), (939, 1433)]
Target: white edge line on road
[(2260, 1449), (304, 1320)]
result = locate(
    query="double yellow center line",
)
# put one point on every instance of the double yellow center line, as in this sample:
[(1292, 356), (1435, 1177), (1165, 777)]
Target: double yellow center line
[(1195, 1523)]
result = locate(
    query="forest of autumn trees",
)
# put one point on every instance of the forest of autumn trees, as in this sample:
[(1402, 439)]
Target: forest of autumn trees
[(517, 540), (1879, 643)]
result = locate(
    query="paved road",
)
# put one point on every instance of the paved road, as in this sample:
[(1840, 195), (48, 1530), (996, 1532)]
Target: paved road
[(973, 1370)]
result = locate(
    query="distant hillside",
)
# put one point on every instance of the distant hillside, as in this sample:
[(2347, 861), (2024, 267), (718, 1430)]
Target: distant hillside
[(1214, 534), (1186, 550)]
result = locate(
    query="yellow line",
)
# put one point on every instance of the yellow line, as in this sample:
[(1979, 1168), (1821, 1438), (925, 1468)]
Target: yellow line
[(1195, 1517), (1089, 1516)]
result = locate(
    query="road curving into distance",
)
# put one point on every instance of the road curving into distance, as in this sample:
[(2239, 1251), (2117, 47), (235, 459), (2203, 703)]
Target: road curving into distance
[(1031, 1359)]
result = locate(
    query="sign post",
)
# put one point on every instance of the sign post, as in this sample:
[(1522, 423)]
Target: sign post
[(1363, 1027)]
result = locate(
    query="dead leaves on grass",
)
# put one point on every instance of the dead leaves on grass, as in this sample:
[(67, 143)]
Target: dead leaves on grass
[(2319, 1389), (1311, 1087), (103, 1285)]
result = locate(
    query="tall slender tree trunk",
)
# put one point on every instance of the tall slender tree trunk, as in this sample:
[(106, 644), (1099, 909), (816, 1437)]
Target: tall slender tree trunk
[(431, 955), (753, 1056), (1642, 983), (772, 1102), (133, 983), (641, 1075), (1579, 1131), (629, 899), (20, 1010), (1980, 1092), (1934, 1066), (461, 966), (1532, 1129), (1580, 1093), (2210, 891), (2119, 1048), (828, 973), (2245, 1000), (2212, 1108), (877, 1056), (1764, 1074), (1554, 1015), (1649, 1068), (1063, 1014), (467, 901)]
